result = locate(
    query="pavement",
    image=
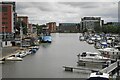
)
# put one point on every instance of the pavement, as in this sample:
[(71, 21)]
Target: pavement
[(5, 51)]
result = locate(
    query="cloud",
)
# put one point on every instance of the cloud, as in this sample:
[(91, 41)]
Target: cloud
[(43, 12)]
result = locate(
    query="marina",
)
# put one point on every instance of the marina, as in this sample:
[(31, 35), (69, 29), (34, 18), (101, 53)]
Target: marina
[(47, 58)]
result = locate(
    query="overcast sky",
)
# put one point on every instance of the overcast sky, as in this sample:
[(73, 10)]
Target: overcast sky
[(66, 12)]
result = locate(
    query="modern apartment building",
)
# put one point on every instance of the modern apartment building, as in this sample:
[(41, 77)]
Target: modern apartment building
[(91, 23), (8, 20)]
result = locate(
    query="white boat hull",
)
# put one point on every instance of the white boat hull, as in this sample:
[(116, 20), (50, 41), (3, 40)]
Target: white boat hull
[(93, 60), (13, 59)]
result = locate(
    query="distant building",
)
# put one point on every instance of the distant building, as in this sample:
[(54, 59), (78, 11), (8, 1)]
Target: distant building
[(69, 27), (30, 28), (113, 23), (91, 23), (7, 20), (34, 29), (23, 19), (51, 26)]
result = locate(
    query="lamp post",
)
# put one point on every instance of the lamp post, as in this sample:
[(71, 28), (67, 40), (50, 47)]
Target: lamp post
[(21, 32), (4, 34)]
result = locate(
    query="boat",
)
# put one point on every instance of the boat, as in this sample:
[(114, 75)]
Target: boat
[(81, 38), (110, 51), (46, 39), (92, 57), (98, 76), (103, 44), (12, 58), (1, 62), (22, 54), (90, 41)]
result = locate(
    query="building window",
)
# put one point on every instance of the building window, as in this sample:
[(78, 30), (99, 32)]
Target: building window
[(4, 9), (4, 23), (0, 8), (5, 13), (4, 18)]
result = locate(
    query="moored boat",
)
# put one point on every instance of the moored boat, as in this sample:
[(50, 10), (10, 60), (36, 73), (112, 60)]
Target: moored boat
[(92, 57), (98, 76), (12, 58)]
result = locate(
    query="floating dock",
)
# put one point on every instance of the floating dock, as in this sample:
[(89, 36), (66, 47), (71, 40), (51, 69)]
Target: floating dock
[(70, 68)]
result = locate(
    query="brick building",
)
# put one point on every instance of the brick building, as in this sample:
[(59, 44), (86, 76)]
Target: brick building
[(69, 27), (51, 26), (7, 20), (23, 19)]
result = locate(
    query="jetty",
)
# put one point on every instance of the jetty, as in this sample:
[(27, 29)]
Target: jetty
[(112, 68), (71, 68)]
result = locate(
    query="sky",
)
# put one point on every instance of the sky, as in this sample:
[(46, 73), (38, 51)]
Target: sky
[(70, 11)]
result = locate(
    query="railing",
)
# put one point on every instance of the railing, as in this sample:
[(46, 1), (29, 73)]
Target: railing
[(110, 68)]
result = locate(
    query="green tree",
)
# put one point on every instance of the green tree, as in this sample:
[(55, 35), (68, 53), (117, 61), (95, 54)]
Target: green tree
[(23, 25)]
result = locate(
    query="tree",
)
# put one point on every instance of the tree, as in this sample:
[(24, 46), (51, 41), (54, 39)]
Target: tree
[(24, 27), (39, 29)]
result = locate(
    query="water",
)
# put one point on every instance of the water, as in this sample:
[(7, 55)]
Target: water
[(48, 61)]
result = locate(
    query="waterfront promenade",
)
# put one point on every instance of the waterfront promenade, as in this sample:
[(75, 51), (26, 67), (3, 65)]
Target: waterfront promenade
[(8, 50)]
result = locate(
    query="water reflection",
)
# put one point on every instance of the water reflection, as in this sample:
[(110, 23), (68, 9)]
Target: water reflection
[(45, 45)]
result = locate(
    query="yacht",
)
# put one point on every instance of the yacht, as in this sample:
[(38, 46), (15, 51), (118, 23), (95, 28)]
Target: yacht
[(98, 76), (110, 51), (92, 57)]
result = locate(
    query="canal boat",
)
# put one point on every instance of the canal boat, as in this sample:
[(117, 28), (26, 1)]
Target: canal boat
[(98, 76), (92, 57)]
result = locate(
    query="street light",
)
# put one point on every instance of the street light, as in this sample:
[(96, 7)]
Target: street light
[(4, 30), (21, 31)]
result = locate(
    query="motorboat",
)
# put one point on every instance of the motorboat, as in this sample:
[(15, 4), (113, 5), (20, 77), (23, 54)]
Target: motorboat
[(92, 57), (81, 38), (103, 44), (98, 76), (36, 47), (93, 38), (22, 54), (47, 39), (12, 58), (1, 62), (111, 51), (90, 41), (28, 51)]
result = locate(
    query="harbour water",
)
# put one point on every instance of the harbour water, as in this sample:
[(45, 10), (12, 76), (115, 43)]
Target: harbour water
[(49, 59)]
